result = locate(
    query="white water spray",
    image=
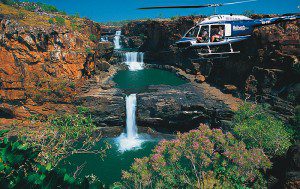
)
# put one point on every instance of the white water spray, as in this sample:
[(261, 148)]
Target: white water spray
[(134, 60), (130, 140), (117, 40)]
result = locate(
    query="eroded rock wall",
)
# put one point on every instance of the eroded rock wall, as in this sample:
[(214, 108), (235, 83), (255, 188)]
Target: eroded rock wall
[(41, 67)]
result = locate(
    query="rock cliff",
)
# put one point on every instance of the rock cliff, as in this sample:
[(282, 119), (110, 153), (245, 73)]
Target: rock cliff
[(43, 62)]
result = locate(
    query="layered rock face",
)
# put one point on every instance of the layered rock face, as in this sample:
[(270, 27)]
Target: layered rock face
[(266, 68), (184, 107), (41, 66)]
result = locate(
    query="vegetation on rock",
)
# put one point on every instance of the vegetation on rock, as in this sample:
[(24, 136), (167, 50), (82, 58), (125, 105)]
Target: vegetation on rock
[(202, 158), (259, 129)]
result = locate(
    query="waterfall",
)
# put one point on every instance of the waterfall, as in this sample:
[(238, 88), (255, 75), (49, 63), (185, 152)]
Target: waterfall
[(131, 128), (130, 140), (117, 40), (134, 60)]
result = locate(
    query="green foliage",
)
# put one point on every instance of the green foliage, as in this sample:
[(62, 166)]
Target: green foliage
[(29, 7), (8, 2), (60, 21), (296, 126), (59, 138), (258, 129), (202, 158), (19, 168), (51, 21), (175, 17), (88, 50), (93, 37), (47, 8)]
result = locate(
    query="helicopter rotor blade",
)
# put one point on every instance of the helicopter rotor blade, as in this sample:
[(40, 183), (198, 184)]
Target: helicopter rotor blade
[(238, 2), (175, 7), (195, 6)]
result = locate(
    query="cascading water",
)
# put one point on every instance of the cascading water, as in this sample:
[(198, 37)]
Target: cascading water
[(134, 60), (130, 139), (117, 40), (131, 128)]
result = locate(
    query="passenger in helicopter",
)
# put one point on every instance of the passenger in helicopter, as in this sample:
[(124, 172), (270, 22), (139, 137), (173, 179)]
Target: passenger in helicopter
[(203, 37), (218, 36)]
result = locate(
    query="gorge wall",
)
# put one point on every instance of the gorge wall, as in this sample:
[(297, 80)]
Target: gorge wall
[(42, 64), (266, 70)]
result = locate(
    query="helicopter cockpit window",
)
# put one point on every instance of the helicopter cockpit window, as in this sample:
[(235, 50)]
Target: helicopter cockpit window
[(193, 32), (203, 36), (217, 33)]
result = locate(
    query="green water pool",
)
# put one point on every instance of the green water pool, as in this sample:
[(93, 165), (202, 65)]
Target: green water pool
[(109, 168), (139, 81)]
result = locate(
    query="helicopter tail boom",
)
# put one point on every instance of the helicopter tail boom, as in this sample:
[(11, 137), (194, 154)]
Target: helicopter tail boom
[(275, 20)]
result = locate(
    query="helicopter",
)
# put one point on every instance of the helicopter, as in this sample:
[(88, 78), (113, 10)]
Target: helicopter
[(221, 30)]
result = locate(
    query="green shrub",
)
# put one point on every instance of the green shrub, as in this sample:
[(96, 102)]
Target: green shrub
[(258, 129), (51, 21), (60, 21), (93, 37), (8, 2), (88, 50), (47, 8), (21, 15), (202, 158), (19, 168), (30, 7), (59, 137)]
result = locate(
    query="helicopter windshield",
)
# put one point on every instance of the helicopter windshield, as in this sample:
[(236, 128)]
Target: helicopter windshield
[(193, 32)]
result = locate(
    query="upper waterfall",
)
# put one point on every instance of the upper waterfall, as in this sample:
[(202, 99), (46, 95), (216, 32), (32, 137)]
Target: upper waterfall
[(134, 60), (117, 40)]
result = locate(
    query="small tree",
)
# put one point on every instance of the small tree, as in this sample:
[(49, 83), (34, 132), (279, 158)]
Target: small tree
[(202, 158), (60, 21), (19, 168), (93, 37), (258, 129)]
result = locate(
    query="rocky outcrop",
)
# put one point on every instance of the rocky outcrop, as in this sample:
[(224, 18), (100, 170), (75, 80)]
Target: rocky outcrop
[(181, 108), (42, 66)]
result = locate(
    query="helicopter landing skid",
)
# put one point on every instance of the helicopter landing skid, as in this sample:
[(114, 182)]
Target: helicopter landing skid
[(217, 54)]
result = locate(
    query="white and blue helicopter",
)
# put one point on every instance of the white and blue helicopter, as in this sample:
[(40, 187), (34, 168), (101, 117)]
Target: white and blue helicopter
[(221, 30)]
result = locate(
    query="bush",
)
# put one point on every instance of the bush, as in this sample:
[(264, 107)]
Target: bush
[(19, 168), (60, 21), (93, 37), (30, 7), (258, 129), (88, 50), (8, 2), (59, 137), (21, 15), (51, 21), (47, 8), (202, 158)]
